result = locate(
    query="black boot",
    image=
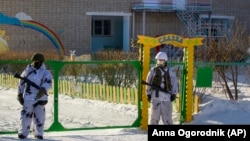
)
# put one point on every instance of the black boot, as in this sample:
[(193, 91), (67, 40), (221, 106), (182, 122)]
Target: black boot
[(21, 136), (38, 137)]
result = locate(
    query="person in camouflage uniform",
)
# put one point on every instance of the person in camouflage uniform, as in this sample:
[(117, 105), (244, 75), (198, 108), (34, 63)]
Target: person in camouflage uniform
[(32, 99), (163, 77)]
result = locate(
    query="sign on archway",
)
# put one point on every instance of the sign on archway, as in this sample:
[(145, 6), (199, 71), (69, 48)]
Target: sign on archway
[(178, 41)]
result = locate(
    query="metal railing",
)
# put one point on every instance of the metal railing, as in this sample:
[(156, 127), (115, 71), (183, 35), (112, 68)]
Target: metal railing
[(172, 5)]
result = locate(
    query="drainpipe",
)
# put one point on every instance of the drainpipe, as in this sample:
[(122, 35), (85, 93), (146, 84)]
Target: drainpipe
[(143, 22), (133, 25), (210, 24)]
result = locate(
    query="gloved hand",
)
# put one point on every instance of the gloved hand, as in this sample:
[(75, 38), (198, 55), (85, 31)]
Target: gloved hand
[(20, 98), (41, 92), (149, 98), (172, 97)]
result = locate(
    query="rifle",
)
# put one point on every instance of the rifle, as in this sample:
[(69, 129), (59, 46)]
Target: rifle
[(155, 87), (172, 96), (26, 80)]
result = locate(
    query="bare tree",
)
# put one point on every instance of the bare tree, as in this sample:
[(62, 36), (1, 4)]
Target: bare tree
[(232, 49)]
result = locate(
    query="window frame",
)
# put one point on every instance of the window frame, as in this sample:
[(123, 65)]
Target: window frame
[(223, 23), (102, 27)]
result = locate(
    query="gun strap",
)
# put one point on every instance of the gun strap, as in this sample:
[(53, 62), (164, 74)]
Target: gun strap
[(33, 71)]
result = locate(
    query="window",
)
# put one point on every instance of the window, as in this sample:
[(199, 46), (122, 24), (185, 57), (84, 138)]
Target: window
[(216, 25), (101, 27)]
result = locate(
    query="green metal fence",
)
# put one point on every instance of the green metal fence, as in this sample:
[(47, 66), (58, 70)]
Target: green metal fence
[(94, 89)]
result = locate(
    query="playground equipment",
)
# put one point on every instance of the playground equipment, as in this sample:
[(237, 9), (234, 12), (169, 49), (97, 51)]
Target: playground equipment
[(187, 85)]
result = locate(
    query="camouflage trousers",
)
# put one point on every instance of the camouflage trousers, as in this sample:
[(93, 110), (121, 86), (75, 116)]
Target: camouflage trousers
[(32, 112), (163, 110)]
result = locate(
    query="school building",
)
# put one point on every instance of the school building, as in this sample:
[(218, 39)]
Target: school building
[(89, 26)]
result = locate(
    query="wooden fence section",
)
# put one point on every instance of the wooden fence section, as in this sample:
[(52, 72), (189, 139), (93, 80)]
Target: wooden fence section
[(84, 90), (7, 80)]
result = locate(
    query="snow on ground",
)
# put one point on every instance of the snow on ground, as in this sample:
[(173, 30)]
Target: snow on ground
[(75, 113), (79, 113)]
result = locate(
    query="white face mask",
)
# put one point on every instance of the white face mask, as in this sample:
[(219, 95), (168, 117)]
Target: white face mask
[(160, 62)]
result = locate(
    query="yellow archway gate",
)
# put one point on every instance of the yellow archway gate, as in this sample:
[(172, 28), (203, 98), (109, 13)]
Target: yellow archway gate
[(178, 41)]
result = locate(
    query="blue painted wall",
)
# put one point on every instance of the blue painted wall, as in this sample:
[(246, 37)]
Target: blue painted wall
[(114, 41)]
